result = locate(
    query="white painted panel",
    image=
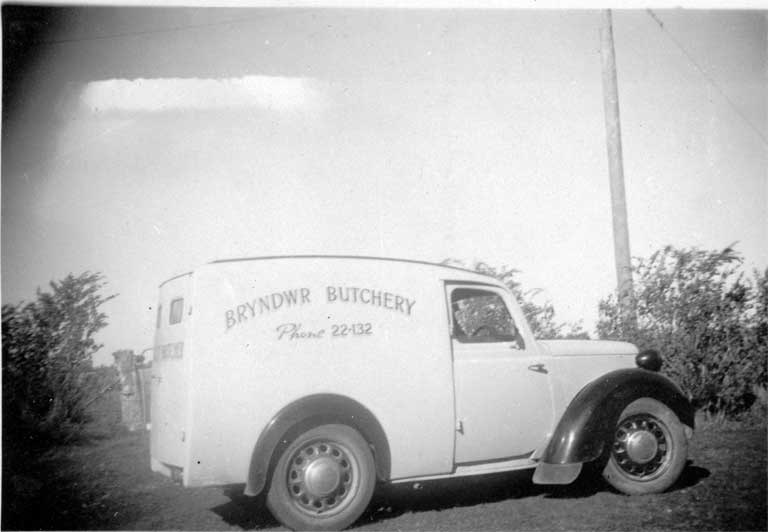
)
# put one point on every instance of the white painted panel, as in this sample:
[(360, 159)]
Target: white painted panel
[(264, 337)]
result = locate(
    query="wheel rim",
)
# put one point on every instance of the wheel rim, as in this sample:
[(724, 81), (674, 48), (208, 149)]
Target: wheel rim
[(642, 447), (322, 477)]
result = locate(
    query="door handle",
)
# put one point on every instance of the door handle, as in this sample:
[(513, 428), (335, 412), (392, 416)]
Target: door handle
[(538, 368)]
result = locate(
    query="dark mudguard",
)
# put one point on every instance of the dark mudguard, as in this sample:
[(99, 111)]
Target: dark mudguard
[(590, 419), (309, 412)]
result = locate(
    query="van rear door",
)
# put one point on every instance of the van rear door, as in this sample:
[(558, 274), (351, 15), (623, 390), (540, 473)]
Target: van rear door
[(169, 378)]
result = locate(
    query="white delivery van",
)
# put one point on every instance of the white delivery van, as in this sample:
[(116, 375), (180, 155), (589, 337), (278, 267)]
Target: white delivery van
[(313, 378)]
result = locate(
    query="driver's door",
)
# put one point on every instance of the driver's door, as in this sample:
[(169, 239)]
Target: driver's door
[(503, 397)]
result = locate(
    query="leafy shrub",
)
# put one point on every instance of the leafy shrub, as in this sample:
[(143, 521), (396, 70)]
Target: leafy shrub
[(48, 346), (707, 318)]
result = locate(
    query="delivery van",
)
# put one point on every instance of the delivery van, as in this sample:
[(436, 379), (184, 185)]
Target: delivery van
[(313, 378)]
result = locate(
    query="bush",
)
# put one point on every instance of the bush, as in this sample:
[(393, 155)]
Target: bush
[(48, 346), (707, 318)]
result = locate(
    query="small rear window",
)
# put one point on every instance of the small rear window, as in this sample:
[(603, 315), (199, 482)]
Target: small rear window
[(177, 310)]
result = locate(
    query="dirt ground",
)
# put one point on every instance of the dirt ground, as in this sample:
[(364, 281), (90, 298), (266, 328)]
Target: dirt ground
[(105, 483)]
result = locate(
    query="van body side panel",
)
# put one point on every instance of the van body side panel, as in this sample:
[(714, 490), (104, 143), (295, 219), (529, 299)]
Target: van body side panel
[(269, 333)]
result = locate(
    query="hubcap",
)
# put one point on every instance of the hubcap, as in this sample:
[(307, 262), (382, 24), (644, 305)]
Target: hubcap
[(321, 477), (641, 447)]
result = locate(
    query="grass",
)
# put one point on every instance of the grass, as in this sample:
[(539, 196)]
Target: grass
[(102, 480)]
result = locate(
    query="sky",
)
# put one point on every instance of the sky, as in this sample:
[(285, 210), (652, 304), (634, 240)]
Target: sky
[(143, 142)]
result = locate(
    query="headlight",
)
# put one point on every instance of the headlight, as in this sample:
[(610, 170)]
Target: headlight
[(649, 359)]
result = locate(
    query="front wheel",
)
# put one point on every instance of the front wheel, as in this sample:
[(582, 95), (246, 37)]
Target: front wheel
[(323, 480), (648, 450)]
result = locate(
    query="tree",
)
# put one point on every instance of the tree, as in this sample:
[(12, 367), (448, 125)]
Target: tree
[(707, 318), (48, 346), (541, 318)]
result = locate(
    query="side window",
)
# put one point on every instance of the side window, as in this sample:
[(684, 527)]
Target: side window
[(482, 316), (177, 310), (159, 316)]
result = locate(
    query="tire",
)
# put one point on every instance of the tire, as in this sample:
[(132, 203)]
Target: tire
[(648, 450), (323, 480)]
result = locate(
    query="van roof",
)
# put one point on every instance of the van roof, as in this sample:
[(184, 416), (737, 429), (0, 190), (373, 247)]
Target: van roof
[(354, 257)]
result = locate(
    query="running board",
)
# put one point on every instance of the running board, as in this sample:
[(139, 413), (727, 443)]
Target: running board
[(485, 468), (556, 473)]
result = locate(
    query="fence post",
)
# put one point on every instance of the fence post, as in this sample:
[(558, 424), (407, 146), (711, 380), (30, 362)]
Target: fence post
[(130, 393), (144, 378)]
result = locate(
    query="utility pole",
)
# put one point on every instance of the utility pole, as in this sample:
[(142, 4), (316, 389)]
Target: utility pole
[(625, 291)]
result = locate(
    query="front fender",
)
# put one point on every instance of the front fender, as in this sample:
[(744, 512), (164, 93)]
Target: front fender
[(591, 418)]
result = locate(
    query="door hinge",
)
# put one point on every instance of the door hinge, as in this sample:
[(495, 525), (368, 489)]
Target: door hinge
[(460, 426)]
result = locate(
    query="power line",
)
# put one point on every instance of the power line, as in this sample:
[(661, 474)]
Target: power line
[(706, 76)]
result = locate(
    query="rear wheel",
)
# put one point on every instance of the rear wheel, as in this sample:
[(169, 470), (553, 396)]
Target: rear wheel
[(323, 480), (648, 450)]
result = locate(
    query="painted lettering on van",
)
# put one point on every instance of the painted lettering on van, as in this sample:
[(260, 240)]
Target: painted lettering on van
[(275, 301), (265, 304), (295, 331), (369, 296)]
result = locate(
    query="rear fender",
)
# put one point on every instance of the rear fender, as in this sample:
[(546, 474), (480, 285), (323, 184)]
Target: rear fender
[(304, 414)]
